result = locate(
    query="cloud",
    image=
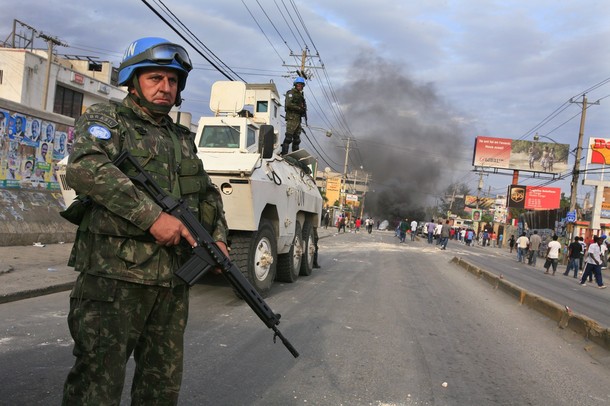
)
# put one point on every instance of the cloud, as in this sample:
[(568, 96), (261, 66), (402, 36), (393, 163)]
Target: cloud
[(500, 66)]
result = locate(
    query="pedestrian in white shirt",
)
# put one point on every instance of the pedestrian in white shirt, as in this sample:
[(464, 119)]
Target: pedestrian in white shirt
[(552, 255), (594, 263)]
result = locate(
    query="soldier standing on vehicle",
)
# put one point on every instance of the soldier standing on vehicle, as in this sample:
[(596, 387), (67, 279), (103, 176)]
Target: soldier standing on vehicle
[(296, 108), (127, 299)]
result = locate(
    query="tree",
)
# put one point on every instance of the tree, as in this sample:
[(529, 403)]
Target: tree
[(453, 200), (564, 202)]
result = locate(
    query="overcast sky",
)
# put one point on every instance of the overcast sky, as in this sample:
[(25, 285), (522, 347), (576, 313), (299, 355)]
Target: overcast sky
[(413, 84)]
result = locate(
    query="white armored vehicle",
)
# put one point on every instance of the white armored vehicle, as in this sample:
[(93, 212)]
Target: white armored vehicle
[(271, 202)]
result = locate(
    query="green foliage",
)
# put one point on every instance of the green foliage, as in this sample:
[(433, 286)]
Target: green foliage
[(487, 218), (453, 199), (564, 202)]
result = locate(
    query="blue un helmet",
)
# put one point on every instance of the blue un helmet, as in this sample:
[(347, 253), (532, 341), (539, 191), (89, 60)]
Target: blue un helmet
[(154, 52), (299, 80)]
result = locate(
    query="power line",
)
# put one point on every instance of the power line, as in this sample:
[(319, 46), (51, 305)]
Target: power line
[(261, 28), (304, 44), (210, 53), (187, 41), (287, 24)]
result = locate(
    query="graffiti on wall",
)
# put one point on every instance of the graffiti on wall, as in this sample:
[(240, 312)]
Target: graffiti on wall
[(30, 149)]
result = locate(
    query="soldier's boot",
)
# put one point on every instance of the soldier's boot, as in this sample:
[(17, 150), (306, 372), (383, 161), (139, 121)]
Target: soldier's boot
[(286, 144), (315, 260), (295, 146)]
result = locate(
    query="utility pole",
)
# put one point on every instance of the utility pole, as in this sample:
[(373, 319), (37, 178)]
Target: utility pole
[(344, 177), (366, 189), (452, 200), (302, 69), (479, 188), (50, 42), (576, 170), (19, 40)]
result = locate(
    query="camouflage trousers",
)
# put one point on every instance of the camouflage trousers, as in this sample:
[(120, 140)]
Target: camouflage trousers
[(111, 319), (293, 134)]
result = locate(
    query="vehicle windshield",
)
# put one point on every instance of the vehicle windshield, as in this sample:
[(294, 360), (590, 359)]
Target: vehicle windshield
[(220, 136)]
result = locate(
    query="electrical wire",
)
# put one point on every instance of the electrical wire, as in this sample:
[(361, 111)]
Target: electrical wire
[(181, 35), (261, 28)]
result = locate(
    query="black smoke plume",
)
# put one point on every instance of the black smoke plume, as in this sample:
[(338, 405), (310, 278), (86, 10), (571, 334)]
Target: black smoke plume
[(406, 135)]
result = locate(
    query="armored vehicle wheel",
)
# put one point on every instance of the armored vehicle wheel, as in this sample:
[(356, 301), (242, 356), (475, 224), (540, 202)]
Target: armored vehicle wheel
[(289, 264), (255, 254), (309, 250)]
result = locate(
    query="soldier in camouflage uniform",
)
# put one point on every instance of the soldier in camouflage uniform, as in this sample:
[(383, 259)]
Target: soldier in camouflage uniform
[(295, 109), (126, 299)]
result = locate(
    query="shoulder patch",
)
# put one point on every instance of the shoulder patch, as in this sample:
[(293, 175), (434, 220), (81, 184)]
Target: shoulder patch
[(99, 132), (102, 118)]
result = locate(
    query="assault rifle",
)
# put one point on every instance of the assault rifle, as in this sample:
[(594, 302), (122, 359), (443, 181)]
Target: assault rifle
[(206, 255)]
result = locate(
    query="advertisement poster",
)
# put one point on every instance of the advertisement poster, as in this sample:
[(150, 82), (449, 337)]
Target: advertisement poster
[(533, 197), (492, 152), (522, 155), (599, 151), (333, 189), (483, 202), (516, 197), (476, 215), (30, 149), (605, 213)]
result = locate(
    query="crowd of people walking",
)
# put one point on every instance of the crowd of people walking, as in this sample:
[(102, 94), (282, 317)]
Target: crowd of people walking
[(586, 259)]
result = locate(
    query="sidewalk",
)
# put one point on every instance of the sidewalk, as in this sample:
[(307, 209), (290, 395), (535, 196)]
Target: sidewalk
[(30, 271)]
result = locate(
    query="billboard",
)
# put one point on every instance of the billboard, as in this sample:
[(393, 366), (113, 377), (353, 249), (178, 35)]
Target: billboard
[(483, 202), (333, 189), (333, 184), (350, 198), (522, 155), (605, 213), (533, 197), (599, 151)]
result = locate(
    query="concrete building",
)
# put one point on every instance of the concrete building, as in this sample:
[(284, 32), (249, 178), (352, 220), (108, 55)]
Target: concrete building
[(68, 85), (349, 194), (39, 103)]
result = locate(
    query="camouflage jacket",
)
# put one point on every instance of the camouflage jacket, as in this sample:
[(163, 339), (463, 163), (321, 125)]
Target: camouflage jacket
[(295, 103), (115, 242)]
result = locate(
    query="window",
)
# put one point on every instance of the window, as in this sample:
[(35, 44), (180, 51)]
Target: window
[(251, 137), (262, 106), (95, 67), (68, 102), (219, 136)]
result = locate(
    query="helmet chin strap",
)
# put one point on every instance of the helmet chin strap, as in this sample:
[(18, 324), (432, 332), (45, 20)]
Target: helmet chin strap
[(156, 110)]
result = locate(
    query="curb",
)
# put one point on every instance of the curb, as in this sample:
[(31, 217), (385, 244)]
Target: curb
[(579, 324), (27, 294), (47, 290)]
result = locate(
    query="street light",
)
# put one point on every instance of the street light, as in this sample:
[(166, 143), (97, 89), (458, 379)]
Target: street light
[(537, 137), (329, 133)]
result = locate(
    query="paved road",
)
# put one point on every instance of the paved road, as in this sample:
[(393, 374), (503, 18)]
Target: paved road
[(381, 323)]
